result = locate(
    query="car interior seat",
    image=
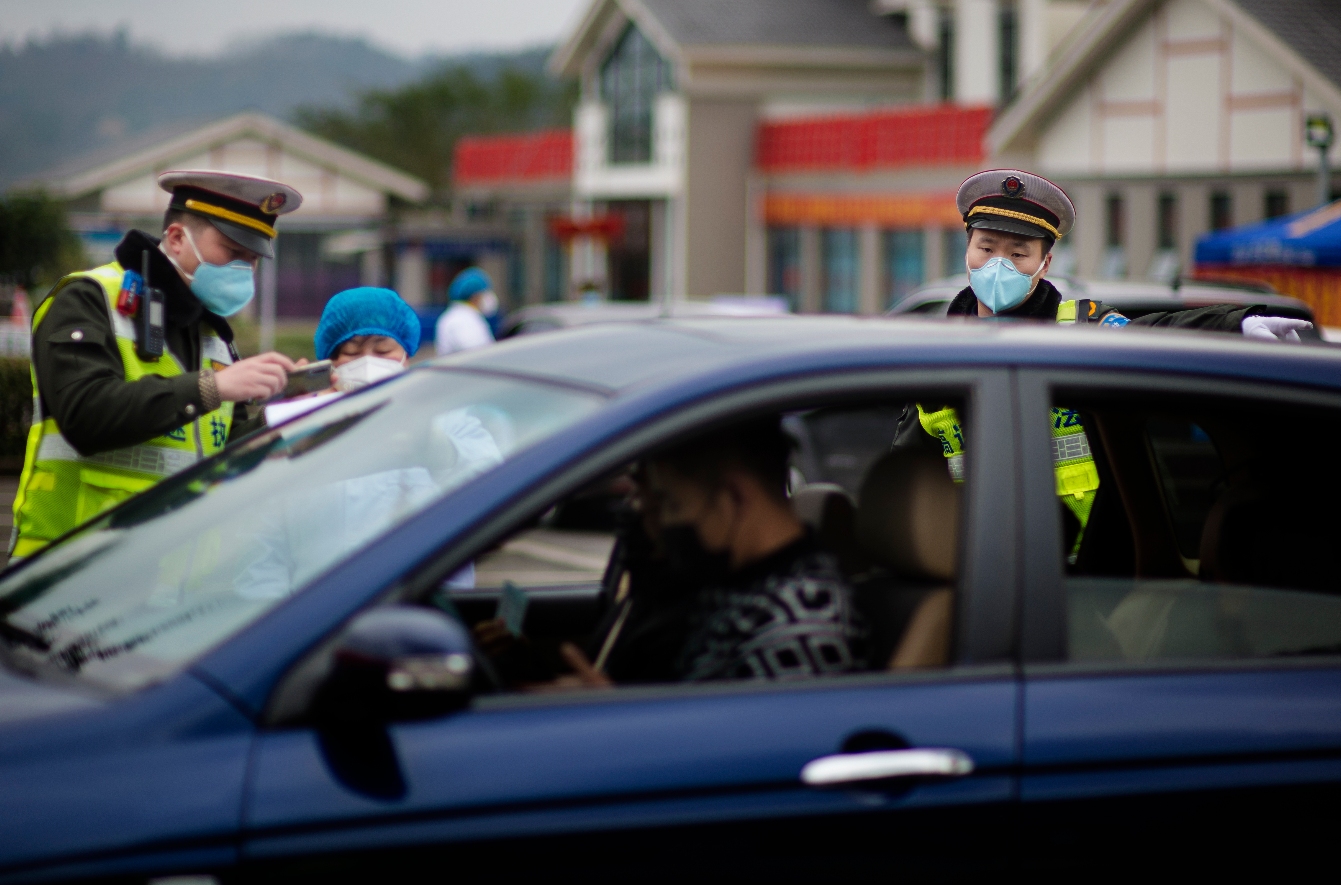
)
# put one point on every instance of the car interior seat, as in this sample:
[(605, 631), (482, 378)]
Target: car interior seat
[(907, 525), (829, 510)]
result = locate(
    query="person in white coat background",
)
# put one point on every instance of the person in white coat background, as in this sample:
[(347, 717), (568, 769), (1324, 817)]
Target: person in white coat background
[(465, 324)]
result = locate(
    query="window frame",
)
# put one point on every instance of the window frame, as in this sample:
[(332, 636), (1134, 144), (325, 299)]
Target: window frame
[(985, 629), (1044, 624)]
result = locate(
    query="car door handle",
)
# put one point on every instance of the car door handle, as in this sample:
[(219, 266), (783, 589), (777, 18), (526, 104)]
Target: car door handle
[(851, 768)]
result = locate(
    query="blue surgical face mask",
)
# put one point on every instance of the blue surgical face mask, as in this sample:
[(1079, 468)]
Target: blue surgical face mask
[(1000, 286), (223, 288)]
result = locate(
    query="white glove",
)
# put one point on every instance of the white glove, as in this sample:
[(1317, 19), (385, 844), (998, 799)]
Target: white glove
[(1274, 328)]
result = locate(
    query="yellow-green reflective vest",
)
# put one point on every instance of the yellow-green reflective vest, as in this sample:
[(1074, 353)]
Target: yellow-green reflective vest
[(1072, 461), (60, 488)]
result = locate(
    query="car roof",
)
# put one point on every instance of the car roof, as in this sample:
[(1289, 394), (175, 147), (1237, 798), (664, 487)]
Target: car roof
[(619, 358), (1131, 294), (577, 313)]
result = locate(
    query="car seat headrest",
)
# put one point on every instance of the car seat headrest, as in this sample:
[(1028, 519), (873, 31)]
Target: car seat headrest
[(908, 515), (828, 509), (818, 502)]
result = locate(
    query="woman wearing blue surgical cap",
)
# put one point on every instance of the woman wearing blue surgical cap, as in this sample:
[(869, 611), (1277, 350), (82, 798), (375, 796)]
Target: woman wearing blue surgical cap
[(368, 334), (464, 325)]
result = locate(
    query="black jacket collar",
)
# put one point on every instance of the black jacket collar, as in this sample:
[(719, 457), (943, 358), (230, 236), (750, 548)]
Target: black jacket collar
[(1040, 305), (183, 307), (778, 562)]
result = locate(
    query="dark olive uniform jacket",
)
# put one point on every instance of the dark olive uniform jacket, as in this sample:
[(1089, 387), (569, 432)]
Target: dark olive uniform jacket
[(80, 377)]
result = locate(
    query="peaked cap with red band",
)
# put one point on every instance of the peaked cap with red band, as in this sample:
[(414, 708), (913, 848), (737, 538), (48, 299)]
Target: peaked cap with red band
[(242, 207), (1016, 202)]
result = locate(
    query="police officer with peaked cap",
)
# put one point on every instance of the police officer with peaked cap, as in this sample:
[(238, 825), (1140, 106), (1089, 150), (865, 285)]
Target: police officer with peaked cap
[(1014, 218), (134, 371)]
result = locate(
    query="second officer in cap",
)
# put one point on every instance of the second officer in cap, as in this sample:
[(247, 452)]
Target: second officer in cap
[(134, 370), (1014, 218)]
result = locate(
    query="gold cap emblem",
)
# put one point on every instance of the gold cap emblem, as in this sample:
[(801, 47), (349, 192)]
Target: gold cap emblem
[(273, 203)]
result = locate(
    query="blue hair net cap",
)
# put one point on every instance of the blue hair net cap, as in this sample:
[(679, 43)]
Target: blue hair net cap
[(468, 282), (366, 311)]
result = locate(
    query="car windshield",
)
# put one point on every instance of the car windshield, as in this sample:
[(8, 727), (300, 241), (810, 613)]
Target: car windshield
[(141, 591)]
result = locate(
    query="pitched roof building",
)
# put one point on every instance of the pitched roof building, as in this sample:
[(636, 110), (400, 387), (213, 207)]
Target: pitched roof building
[(333, 241), (1166, 119)]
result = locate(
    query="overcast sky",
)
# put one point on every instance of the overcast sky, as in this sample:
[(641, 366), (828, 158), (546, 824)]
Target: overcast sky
[(409, 27)]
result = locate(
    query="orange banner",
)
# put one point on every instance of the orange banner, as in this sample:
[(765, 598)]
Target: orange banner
[(854, 210), (1318, 287)]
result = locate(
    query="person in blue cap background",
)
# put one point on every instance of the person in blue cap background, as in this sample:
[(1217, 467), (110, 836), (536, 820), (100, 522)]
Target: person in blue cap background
[(465, 325), (368, 334)]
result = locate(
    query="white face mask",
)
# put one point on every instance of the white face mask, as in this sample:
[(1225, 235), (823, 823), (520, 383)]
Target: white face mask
[(364, 371), (487, 303)]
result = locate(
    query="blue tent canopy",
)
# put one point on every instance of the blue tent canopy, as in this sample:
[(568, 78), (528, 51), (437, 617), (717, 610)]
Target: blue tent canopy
[(1307, 239)]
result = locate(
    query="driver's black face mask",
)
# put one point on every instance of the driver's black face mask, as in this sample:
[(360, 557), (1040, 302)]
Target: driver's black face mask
[(689, 561)]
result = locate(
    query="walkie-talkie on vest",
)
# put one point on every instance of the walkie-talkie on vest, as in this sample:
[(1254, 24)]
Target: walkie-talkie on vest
[(149, 318)]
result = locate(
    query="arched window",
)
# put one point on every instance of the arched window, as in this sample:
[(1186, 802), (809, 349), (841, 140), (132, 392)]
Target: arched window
[(630, 80)]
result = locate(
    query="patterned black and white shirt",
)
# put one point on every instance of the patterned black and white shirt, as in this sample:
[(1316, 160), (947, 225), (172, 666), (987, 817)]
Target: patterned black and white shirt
[(788, 616)]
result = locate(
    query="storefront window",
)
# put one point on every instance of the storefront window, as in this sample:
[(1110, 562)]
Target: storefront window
[(954, 248), (556, 269), (841, 263), (905, 267), (784, 264), (1222, 210)]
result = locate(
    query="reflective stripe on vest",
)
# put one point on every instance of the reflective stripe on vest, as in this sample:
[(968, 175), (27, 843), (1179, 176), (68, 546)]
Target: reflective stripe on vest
[(945, 426), (60, 488), (140, 459), (1073, 463)]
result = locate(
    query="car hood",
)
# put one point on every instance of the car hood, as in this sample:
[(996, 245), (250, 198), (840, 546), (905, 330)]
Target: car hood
[(23, 698)]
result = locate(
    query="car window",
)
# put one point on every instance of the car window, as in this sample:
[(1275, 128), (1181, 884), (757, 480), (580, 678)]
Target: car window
[(139, 592), (593, 573), (931, 307), (1204, 537)]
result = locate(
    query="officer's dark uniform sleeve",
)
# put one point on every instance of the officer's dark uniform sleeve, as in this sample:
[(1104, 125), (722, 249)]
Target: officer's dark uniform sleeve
[(1216, 318), (908, 432), (82, 383)]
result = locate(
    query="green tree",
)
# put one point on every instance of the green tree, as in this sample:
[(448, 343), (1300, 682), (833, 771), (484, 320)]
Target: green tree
[(415, 128), (36, 244)]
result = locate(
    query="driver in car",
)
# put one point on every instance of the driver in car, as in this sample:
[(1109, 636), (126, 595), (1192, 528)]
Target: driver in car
[(732, 585)]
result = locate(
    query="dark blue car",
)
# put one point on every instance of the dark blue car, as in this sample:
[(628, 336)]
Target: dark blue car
[(263, 668)]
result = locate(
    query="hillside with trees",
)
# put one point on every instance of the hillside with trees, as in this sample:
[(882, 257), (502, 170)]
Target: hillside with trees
[(63, 97)]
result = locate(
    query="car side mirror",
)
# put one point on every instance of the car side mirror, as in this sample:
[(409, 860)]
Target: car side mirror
[(395, 664)]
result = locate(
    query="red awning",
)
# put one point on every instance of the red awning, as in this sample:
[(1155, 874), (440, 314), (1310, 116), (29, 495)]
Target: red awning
[(919, 136), (503, 159)]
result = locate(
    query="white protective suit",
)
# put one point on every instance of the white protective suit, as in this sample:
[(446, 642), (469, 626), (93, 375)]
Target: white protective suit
[(314, 530)]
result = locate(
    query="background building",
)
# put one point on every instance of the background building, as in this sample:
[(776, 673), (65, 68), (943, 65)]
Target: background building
[(333, 241), (808, 148), (1166, 119)]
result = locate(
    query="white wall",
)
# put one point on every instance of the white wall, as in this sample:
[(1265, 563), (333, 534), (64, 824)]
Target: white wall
[(326, 193), (977, 66), (1184, 93)]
